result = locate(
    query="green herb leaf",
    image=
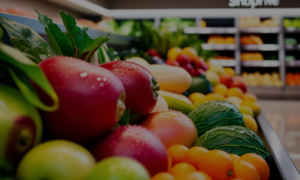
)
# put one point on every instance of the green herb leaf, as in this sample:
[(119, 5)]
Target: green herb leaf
[(21, 70), (58, 41), (125, 118), (27, 41), (89, 46)]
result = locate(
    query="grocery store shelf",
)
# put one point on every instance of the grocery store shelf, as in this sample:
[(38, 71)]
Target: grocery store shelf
[(292, 30), (292, 47), (293, 63), (264, 63), (261, 47), (220, 47), (35, 25), (223, 62), (198, 30), (260, 30)]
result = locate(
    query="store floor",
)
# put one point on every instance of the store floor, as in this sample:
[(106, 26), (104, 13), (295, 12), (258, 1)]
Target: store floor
[(284, 117)]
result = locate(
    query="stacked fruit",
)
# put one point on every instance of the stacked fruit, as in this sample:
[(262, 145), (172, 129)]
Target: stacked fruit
[(257, 79), (108, 120), (250, 56), (255, 21), (223, 57), (251, 39), (200, 163), (216, 39), (292, 79), (188, 59)]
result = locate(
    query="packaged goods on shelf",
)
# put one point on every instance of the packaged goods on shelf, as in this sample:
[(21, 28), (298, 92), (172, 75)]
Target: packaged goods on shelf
[(215, 39), (290, 41), (251, 39), (249, 56), (292, 79), (266, 79), (255, 21)]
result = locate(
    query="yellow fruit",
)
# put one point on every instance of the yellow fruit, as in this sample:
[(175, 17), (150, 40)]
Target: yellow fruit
[(173, 53), (217, 69), (197, 98), (190, 52), (250, 123), (203, 23), (221, 89), (161, 105), (235, 91), (246, 110), (214, 96), (249, 98), (229, 71), (212, 77), (139, 61), (254, 107), (234, 100)]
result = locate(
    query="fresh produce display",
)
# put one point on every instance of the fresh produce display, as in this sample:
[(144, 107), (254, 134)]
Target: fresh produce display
[(257, 79), (219, 57), (200, 163), (215, 113), (255, 21), (104, 118), (292, 79), (233, 139), (249, 56), (216, 39), (171, 24), (295, 23), (251, 39)]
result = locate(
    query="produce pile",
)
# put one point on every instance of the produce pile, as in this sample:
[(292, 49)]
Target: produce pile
[(266, 79), (216, 39), (292, 79), (86, 115)]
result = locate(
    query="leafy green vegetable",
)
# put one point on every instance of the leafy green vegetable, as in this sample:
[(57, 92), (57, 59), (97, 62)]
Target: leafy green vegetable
[(234, 140), (21, 70), (27, 41)]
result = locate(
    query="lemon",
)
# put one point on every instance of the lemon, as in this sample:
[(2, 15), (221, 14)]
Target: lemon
[(246, 110), (217, 69), (229, 71), (249, 98), (173, 53), (197, 98), (250, 123), (253, 106), (190, 52), (234, 100), (214, 96), (235, 91), (212, 77), (221, 89)]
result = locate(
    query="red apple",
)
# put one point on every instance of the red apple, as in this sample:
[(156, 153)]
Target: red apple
[(239, 82), (226, 79), (90, 99), (183, 59), (140, 86), (135, 142), (172, 63), (200, 63), (189, 68), (199, 72)]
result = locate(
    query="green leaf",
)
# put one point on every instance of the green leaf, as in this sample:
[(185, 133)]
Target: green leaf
[(125, 118), (21, 70), (133, 117), (88, 51), (102, 56), (58, 41), (27, 41)]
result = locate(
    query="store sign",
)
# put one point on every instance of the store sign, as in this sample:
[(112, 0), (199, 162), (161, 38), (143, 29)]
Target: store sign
[(252, 3)]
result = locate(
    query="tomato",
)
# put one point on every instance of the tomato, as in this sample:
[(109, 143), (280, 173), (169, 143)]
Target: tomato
[(244, 170), (163, 176), (177, 152), (194, 155), (182, 168)]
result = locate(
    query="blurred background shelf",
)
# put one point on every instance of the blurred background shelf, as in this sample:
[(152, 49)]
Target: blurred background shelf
[(261, 47), (260, 30), (264, 63), (293, 63), (207, 30), (223, 62), (220, 47), (292, 30)]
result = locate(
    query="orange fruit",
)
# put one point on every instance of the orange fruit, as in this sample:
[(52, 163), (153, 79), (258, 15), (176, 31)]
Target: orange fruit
[(194, 155), (163, 176), (198, 175), (173, 53), (170, 126), (217, 164), (234, 157), (177, 152), (214, 96), (229, 71), (182, 168), (259, 163), (221, 89), (245, 171), (190, 52), (235, 91), (169, 163)]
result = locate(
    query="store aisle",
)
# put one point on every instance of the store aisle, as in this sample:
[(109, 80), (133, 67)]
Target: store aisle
[(284, 117)]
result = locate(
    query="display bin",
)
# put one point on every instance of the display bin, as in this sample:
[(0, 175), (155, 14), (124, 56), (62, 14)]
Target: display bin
[(281, 165)]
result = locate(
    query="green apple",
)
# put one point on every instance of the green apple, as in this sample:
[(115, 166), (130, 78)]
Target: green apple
[(20, 128), (118, 168), (56, 160)]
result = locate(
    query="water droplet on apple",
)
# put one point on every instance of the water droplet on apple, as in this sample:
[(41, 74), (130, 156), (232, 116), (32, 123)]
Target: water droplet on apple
[(84, 74), (93, 87), (104, 79), (99, 78), (101, 84)]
